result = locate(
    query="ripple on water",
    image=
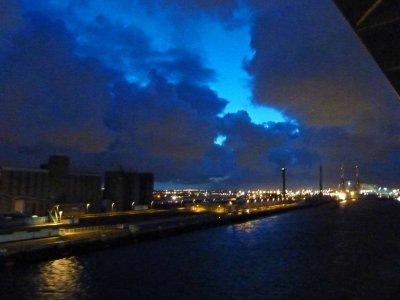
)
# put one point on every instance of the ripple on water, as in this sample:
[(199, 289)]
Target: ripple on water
[(321, 253)]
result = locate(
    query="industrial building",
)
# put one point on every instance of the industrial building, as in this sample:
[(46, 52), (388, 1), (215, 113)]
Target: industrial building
[(125, 190), (36, 191), (24, 190)]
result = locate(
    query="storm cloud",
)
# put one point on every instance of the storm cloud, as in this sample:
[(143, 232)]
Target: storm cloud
[(128, 84)]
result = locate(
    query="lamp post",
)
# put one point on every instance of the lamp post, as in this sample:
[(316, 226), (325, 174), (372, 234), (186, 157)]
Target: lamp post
[(60, 213), (57, 213), (87, 207), (133, 205), (112, 206)]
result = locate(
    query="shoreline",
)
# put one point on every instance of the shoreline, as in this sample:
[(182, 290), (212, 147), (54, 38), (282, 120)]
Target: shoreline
[(32, 251)]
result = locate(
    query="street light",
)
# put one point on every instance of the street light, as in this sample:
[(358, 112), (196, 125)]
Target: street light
[(133, 204), (112, 206), (87, 207), (60, 213), (56, 212)]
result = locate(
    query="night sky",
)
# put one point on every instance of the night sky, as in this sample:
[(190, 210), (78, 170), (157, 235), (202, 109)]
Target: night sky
[(204, 93)]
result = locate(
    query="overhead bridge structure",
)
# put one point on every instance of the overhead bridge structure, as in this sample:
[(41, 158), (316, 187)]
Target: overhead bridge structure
[(377, 24)]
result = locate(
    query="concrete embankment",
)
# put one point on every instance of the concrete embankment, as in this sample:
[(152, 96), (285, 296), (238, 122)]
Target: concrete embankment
[(74, 241)]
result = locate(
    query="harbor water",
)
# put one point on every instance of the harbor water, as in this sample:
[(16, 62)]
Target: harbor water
[(346, 251)]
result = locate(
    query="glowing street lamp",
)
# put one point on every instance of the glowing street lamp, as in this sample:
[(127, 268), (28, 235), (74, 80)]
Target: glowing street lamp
[(87, 207), (133, 204), (112, 206), (56, 212), (60, 213)]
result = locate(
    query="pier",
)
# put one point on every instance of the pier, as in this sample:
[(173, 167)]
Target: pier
[(104, 232)]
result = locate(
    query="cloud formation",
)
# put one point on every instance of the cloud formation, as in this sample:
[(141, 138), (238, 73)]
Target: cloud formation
[(82, 78), (309, 63)]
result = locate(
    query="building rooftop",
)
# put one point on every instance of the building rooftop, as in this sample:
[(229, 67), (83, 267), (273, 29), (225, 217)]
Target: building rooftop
[(24, 169)]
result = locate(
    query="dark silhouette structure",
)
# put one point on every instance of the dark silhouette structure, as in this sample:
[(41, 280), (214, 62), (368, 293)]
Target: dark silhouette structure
[(358, 182), (342, 184), (320, 181), (284, 183), (125, 190), (34, 191), (377, 24)]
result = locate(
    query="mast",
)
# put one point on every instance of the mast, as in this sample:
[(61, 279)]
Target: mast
[(342, 185), (358, 183), (320, 180)]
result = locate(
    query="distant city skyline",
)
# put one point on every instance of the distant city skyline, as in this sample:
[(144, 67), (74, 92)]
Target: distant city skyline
[(209, 94)]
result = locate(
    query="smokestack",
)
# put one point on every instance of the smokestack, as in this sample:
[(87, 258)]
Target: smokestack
[(320, 180), (284, 183)]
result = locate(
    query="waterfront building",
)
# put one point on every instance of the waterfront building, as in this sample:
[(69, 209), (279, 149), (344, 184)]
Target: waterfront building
[(369, 189), (24, 190), (68, 187), (125, 190), (35, 191), (146, 188)]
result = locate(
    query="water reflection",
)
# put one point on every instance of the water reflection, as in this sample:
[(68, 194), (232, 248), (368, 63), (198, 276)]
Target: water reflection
[(60, 279), (319, 253), (246, 227)]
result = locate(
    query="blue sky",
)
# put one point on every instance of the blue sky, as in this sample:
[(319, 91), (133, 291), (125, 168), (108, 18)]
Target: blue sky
[(200, 92), (222, 48)]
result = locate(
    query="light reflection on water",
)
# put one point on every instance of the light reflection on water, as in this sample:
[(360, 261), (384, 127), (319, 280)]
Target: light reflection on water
[(59, 279), (251, 227), (329, 252), (247, 227)]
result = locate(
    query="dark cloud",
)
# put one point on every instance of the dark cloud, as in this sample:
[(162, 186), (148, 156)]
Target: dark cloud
[(333, 146), (54, 100), (167, 120), (221, 9), (118, 46), (78, 79), (260, 152), (127, 48), (10, 23), (181, 65), (10, 16), (309, 63), (48, 94)]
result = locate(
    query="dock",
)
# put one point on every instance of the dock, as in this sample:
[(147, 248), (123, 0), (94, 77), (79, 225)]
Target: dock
[(64, 241)]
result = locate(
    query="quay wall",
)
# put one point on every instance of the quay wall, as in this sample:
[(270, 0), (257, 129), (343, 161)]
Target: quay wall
[(28, 235), (135, 232)]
